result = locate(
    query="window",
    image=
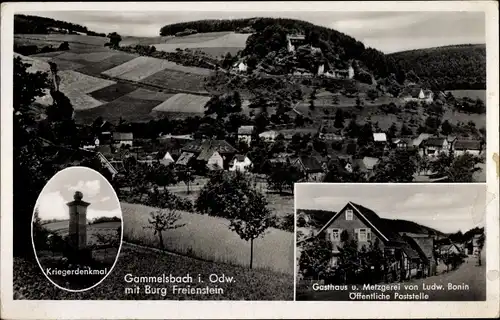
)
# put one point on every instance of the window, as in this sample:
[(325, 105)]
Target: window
[(348, 214), (335, 235), (364, 235)]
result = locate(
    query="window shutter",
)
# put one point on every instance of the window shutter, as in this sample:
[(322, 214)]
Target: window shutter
[(356, 232), (327, 235), (368, 234)]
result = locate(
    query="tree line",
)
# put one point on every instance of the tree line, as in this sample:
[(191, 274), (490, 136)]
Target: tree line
[(447, 68), (28, 24)]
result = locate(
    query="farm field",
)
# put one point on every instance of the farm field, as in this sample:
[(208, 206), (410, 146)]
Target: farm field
[(145, 41), (63, 64), (184, 103), (198, 37), (216, 43), (112, 92), (145, 94), (143, 67), (30, 283), (473, 94), (454, 117), (197, 239), (125, 107), (78, 43), (115, 60), (177, 80)]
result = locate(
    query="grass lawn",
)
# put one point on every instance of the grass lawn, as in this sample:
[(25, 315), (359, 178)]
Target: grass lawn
[(210, 238), (30, 283)]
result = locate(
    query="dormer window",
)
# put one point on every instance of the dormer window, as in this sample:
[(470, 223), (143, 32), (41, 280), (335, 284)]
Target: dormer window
[(348, 214)]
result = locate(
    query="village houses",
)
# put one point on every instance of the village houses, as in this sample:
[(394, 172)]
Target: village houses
[(415, 93), (473, 147)]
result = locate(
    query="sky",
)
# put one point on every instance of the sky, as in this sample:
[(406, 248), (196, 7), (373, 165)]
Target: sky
[(60, 190), (385, 31), (445, 207)]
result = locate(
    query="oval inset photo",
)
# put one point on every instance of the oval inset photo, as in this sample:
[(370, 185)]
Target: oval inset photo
[(77, 229)]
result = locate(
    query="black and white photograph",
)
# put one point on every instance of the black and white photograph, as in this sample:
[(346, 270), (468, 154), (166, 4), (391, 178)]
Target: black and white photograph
[(210, 121), (410, 242), (77, 230)]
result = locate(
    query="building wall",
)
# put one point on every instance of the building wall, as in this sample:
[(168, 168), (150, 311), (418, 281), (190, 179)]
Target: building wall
[(245, 138), (471, 152), (216, 159), (118, 144), (241, 166), (340, 222)]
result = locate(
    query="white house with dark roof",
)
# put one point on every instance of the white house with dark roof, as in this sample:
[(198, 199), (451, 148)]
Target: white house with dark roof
[(240, 163), (269, 136), (434, 146), (245, 134), (365, 226)]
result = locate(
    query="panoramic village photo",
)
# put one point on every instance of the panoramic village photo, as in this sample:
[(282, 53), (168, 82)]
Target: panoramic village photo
[(409, 242), (202, 122), (77, 229)]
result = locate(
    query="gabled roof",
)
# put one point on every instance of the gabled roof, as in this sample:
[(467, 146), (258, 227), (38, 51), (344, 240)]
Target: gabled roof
[(435, 142), (206, 154), (184, 158), (373, 220), (407, 141), (221, 146), (239, 158), (410, 251), (245, 130), (310, 164), (123, 136), (468, 145), (318, 218)]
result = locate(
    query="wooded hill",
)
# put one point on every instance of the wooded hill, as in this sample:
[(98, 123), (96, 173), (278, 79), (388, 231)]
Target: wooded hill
[(447, 68), (270, 36), (26, 24)]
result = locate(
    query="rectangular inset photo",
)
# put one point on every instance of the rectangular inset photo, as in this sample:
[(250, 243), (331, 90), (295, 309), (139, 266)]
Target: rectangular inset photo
[(390, 242)]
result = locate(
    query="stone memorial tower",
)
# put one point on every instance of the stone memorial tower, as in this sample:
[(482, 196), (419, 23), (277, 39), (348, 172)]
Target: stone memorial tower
[(78, 222)]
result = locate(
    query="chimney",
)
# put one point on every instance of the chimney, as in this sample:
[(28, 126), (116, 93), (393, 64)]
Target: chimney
[(78, 222)]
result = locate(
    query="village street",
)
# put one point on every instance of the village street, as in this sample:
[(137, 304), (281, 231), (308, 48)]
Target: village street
[(468, 273)]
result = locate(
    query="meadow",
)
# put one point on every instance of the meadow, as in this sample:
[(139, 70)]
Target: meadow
[(30, 283), (473, 94), (182, 102), (179, 80), (126, 107), (216, 43), (209, 238), (77, 43)]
